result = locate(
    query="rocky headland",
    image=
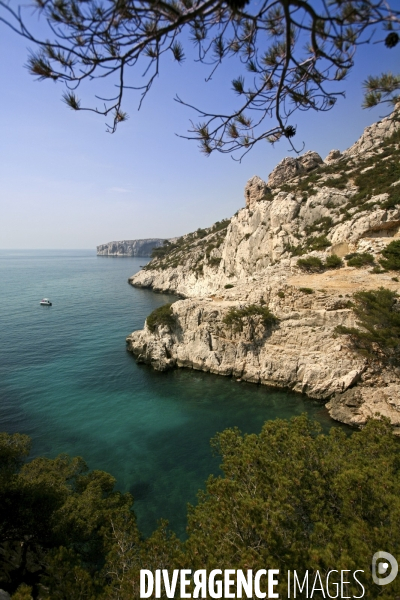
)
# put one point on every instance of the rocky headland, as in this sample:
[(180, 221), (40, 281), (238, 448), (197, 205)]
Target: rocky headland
[(129, 247), (234, 275)]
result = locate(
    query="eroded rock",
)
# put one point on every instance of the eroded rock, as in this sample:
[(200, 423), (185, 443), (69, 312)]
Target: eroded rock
[(290, 167), (256, 190), (333, 155)]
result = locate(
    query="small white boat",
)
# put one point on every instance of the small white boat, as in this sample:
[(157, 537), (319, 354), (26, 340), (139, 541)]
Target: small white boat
[(45, 302)]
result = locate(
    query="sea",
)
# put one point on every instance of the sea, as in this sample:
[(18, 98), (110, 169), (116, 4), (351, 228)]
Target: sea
[(67, 380)]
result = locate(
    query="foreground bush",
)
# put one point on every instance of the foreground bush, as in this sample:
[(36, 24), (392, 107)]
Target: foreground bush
[(295, 499), (378, 332), (52, 506), (288, 498), (162, 315)]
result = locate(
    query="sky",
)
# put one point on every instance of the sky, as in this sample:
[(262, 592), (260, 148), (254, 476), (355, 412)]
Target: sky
[(66, 183)]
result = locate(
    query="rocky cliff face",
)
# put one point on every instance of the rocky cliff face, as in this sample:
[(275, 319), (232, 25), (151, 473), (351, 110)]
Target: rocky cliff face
[(310, 208), (129, 247)]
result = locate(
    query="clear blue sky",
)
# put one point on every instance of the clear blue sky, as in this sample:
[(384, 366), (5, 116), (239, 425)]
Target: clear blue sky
[(65, 183)]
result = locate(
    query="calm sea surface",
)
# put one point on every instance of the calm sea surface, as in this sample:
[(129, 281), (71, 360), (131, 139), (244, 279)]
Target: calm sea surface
[(67, 380)]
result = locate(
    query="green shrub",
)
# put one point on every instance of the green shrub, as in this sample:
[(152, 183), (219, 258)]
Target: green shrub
[(209, 248), (318, 243), (294, 250), (295, 496), (24, 592), (300, 497), (310, 264), (237, 317), (333, 262), (393, 200), (378, 180), (359, 259), (306, 290), (220, 225), (392, 256), (214, 261), (378, 332), (228, 286), (162, 315), (173, 254), (201, 233), (339, 183), (281, 294), (56, 507), (324, 224), (161, 251)]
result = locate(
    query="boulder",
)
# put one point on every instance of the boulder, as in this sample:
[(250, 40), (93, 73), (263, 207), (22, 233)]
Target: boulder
[(292, 167), (310, 160), (333, 155), (285, 170), (256, 190)]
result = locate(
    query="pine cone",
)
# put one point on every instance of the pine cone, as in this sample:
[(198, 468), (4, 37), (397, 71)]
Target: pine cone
[(392, 39), (289, 131), (236, 5)]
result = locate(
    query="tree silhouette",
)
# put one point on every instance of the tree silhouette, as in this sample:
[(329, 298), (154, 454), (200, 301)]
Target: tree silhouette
[(291, 54)]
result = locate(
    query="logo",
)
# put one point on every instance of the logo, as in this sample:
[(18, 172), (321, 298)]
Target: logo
[(381, 561)]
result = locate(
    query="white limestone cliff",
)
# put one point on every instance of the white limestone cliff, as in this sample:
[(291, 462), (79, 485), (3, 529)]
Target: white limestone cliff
[(252, 259), (129, 247)]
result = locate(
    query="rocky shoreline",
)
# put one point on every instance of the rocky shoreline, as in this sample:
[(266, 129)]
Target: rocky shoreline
[(309, 208)]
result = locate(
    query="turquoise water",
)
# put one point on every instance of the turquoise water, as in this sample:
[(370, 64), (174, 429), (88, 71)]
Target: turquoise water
[(67, 380)]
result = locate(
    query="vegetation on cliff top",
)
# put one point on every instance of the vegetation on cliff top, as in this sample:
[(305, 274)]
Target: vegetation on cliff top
[(391, 256), (237, 318), (359, 259), (196, 247), (333, 262), (372, 176), (313, 264), (288, 498), (378, 333), (162, 315)]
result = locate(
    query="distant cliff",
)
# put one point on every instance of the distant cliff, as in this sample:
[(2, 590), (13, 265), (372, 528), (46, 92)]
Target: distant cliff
[(129, 247)]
